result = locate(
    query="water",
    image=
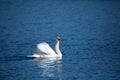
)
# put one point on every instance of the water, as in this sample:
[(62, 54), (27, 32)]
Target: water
[(90, 32)]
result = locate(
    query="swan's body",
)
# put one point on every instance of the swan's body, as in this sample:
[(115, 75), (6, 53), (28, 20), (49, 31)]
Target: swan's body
[(44, 50)]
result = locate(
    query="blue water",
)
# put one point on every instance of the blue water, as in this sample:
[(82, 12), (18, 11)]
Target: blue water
[(90, 32)]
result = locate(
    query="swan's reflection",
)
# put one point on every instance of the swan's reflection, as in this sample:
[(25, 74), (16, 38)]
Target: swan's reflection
[(51, 67)]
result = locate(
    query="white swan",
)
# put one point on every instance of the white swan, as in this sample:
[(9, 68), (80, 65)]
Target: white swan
[(45, 51)]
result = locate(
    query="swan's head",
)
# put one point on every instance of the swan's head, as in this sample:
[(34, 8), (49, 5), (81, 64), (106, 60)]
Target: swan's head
[(58, 39)]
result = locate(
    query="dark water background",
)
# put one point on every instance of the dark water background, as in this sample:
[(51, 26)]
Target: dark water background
[(90, 32)]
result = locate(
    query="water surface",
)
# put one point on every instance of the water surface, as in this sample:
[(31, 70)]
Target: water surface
[(90, 32)]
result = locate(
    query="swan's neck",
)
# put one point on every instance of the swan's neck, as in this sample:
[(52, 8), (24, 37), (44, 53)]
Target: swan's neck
[(57, 49)]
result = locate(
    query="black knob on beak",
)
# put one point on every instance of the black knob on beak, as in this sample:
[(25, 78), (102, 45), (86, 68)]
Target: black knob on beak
[(58, 38)]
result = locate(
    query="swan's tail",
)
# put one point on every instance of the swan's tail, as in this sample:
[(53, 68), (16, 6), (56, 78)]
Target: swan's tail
[(34, 56)]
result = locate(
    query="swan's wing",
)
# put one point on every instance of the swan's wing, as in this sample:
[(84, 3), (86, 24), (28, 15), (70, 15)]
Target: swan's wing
[(45, 49)]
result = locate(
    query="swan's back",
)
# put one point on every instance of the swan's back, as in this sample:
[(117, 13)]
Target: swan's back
[(44, 49)]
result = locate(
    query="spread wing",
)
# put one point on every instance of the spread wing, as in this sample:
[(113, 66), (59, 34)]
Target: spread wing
[(45, 49)]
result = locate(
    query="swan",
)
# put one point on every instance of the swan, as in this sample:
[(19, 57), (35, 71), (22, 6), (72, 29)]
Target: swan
[(45, 51)]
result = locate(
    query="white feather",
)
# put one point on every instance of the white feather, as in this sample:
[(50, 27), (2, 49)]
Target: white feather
[(44, 49)]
